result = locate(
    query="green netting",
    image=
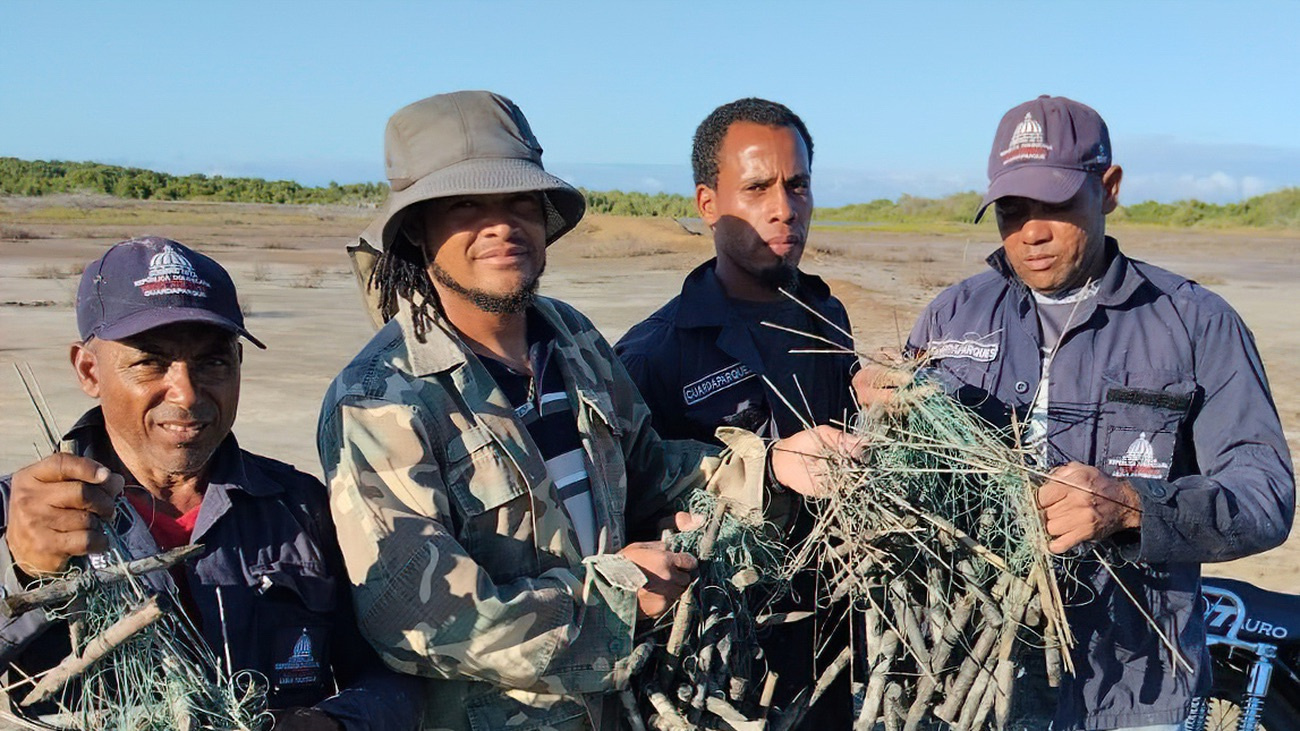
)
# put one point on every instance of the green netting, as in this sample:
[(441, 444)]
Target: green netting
[(162, 678)]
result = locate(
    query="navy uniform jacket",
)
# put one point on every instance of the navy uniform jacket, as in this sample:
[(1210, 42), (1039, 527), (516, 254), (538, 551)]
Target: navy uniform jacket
[(270, 547), (698, 366), (1159, 383)]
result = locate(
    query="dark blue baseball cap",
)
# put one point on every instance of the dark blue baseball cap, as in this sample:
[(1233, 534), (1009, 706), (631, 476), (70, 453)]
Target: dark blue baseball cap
[(148, 282), (1044, 149)]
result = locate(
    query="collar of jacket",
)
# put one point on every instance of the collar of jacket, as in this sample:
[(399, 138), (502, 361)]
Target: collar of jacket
[(88, 438), (704, 304), (443, 350), (1118, 283)]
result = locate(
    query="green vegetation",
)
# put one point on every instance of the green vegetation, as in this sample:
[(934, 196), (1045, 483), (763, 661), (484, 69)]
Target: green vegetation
[(618, 203), (1280, 209), (956, 208), (21, 177)]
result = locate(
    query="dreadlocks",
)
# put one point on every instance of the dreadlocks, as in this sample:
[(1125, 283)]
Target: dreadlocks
[(399, 274)]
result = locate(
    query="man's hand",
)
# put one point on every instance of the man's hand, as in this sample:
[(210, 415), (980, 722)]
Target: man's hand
[(57, 508), (1081, 504), (667, 575), (800, 462), (878, 384)]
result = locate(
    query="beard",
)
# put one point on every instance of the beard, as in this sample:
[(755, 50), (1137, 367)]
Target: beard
[(739, 242), (780, 276), (510, 303)]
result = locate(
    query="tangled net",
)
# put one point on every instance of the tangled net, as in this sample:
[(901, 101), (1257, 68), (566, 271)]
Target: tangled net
[(933, 536), (702, 666), (137, 661)]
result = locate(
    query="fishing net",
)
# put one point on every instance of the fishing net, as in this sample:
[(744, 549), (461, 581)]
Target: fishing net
[(931, 533), (137, 663)]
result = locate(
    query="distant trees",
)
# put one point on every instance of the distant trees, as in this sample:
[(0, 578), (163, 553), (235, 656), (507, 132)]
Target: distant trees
[(1279, 209), (956, 208), (39, 177), (618, 203)]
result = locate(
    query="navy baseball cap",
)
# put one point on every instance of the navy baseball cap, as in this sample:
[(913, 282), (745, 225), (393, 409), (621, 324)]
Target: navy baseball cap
[(148, 282), (1044, 149)]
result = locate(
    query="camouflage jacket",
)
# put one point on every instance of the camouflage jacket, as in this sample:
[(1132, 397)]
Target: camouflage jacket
[(465, 567)]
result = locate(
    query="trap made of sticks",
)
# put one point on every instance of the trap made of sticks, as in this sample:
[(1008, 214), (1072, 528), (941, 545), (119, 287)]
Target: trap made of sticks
[(136, 663), (701, 666), (931, 532)]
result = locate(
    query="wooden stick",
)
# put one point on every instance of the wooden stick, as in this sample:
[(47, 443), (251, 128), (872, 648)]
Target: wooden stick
[(682, 618), (961, 687), (728, 713), (909, 628), (894, 711), (64, 589), (980, 711), (633, 713), (984, 691), (873, 697), (827, 677), (1005, 672), (114, 636), (765, 698), (666, 717), (927, 685)]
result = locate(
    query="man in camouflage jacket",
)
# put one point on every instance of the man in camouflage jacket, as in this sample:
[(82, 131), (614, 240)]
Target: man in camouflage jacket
[(474, 559)]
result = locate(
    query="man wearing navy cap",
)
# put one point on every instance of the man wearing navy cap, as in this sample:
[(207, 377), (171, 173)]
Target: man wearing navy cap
[(1140, 393), (159, 349)]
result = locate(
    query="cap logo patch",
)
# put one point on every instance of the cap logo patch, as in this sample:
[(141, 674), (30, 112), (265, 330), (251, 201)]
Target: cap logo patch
[(1027, 142), (171, 273)]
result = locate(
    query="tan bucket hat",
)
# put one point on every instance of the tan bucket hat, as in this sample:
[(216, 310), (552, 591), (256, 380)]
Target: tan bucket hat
[(462, 143), (467, 143)]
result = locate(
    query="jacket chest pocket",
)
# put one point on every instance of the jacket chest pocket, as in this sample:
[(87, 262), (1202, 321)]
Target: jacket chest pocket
[(493, 504), (295, 606), (1141, 423)]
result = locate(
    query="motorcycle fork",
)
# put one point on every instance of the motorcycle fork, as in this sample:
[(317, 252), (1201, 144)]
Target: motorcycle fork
[(1261, 674), (1252, 700)]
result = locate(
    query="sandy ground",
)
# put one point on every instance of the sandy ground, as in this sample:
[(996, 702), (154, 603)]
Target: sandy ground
[(299, 297)]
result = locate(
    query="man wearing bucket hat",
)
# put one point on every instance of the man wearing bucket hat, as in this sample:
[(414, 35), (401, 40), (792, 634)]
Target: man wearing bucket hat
[(159, 349), (1143, 399), (488, 456)]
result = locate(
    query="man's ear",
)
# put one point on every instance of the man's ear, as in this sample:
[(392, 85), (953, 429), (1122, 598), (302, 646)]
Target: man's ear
[(706, 202), (1110, 188), (85, 363)]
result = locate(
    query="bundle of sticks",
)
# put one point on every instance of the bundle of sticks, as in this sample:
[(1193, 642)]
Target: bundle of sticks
[(701, 667), (932, 534), (136, 660)]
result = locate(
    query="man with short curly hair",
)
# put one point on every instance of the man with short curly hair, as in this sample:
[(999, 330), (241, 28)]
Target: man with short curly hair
[(711, 356)]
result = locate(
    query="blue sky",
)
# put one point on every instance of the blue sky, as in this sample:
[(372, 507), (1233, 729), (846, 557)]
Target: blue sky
[(1201, 98)]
